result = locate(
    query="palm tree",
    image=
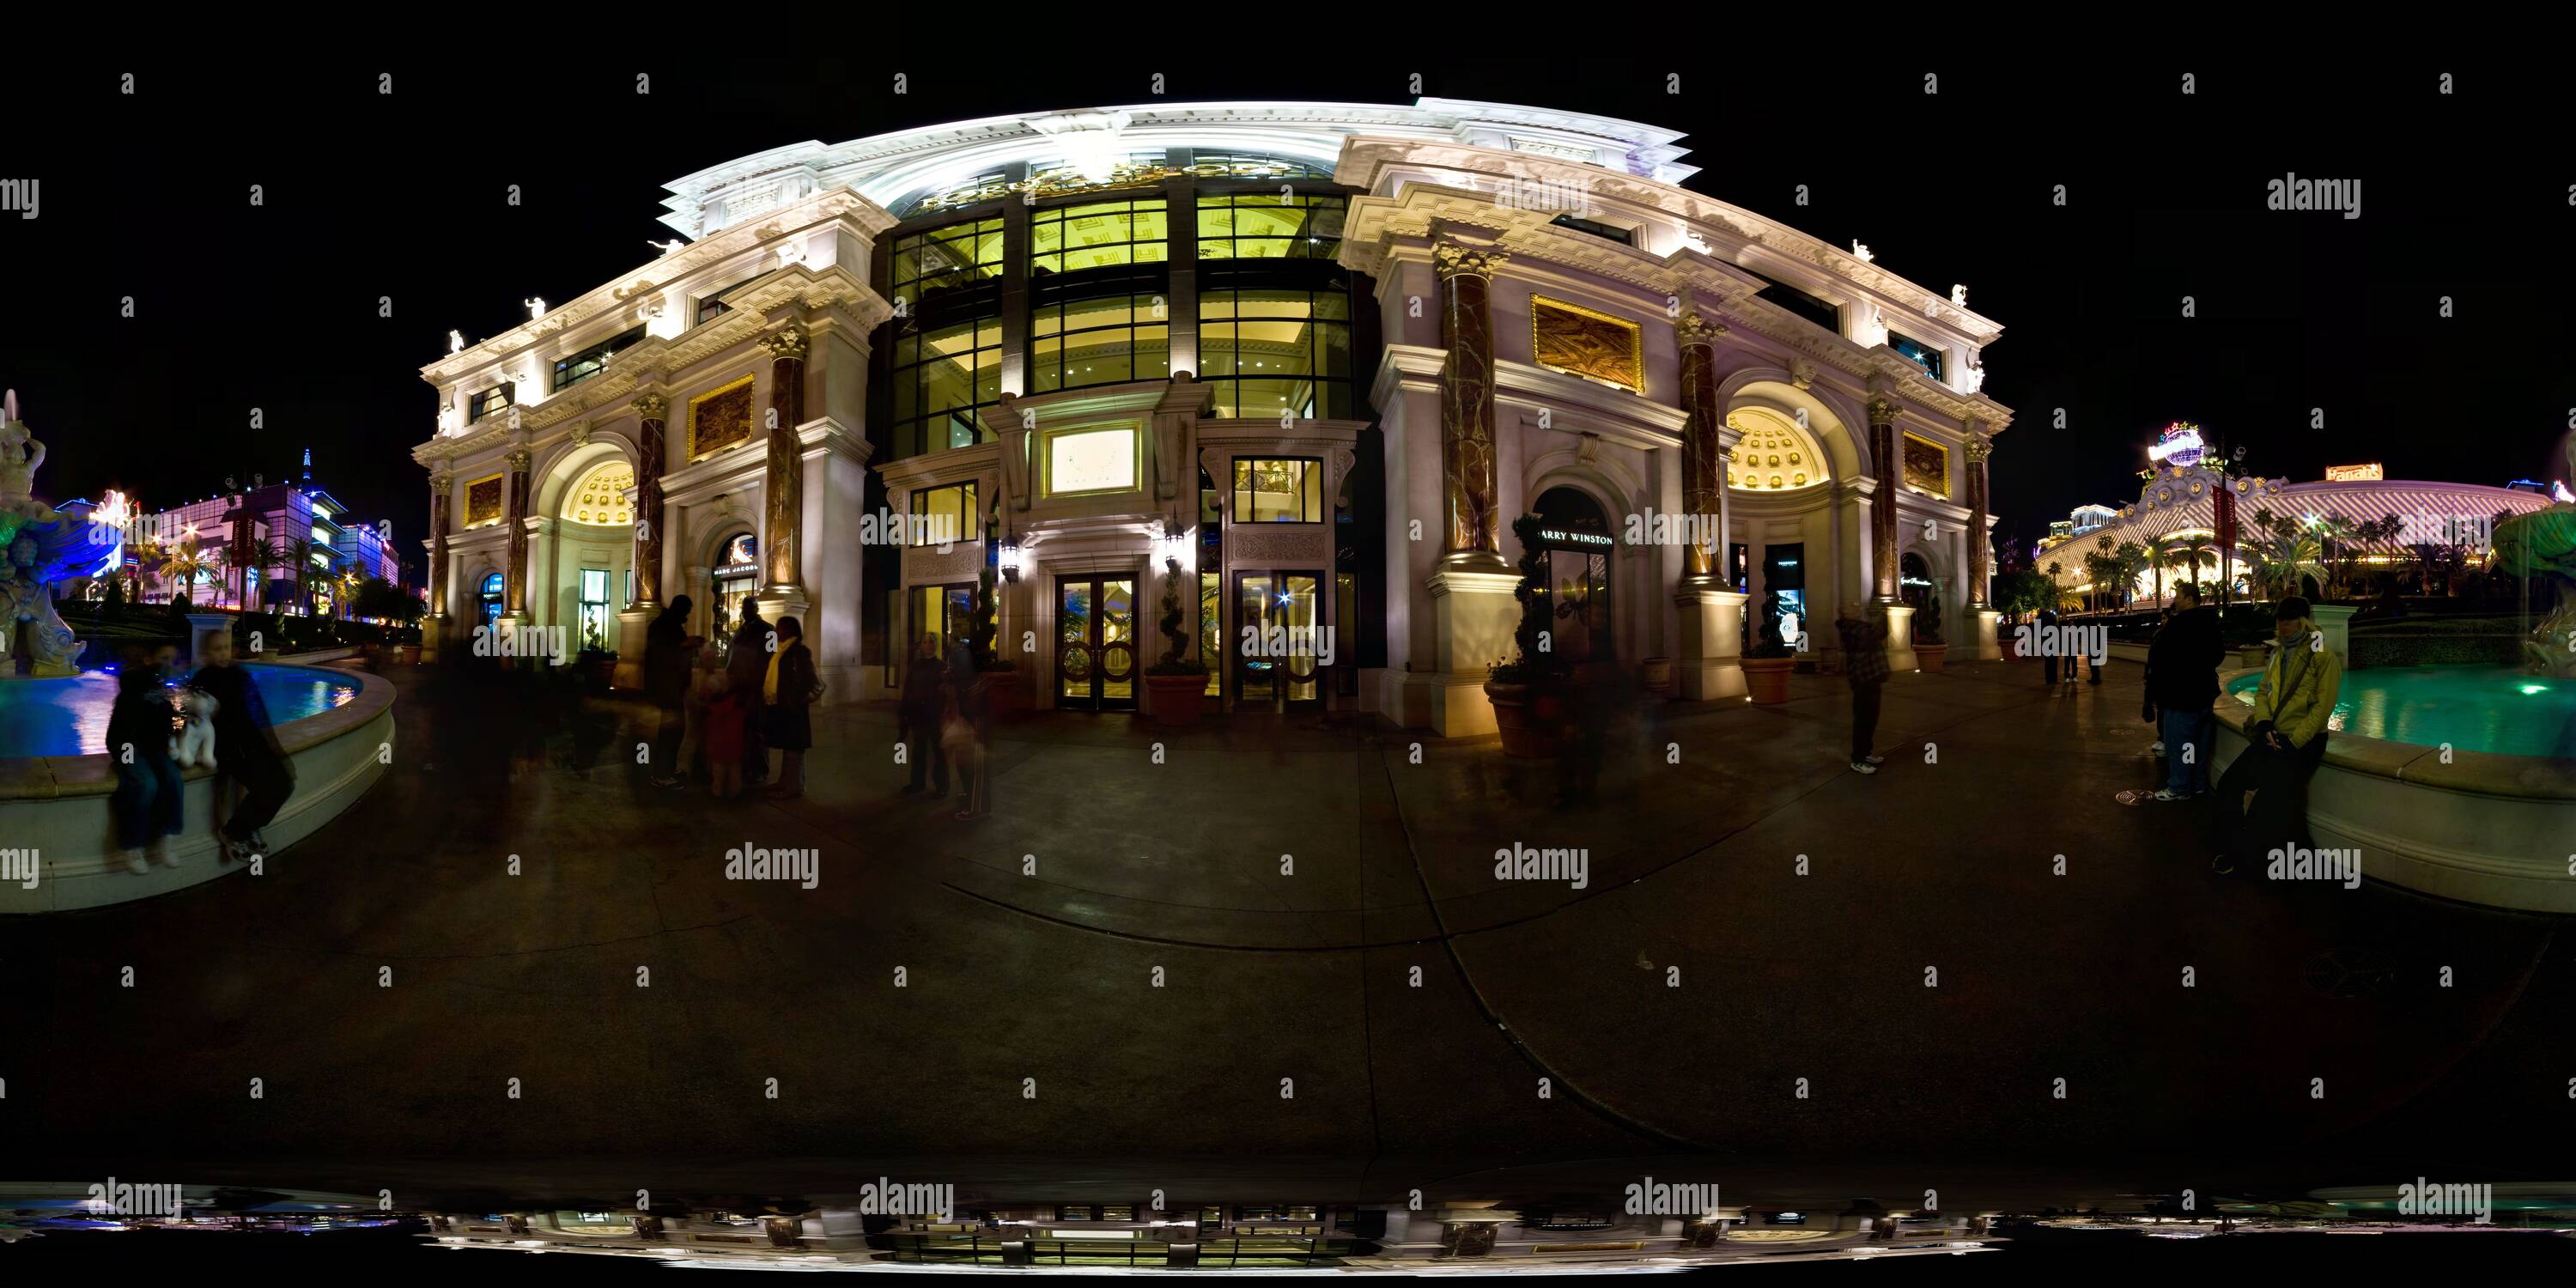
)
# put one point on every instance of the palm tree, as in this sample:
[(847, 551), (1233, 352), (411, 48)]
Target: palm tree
[(293, 556), (147, 555), (185, 565), (2188, 552), (2284, 554)]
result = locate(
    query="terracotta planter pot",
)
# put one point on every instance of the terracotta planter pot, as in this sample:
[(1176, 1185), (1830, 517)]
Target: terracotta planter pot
[(1767, 678), (1177, 700), (1656, 674), (1004, 695), (1528, 728), (1929, 656)]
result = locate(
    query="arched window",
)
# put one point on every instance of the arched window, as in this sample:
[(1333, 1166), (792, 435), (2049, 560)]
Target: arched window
[(491, 599)]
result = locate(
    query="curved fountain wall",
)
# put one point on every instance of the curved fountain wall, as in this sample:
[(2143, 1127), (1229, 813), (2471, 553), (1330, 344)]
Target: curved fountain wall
[(2476, 826), (57, 807)]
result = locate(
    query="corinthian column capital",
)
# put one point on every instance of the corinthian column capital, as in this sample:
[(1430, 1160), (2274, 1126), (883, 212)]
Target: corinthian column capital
[(1883, 411), (1694, 329), (786, 345), (651, 406), (1458, 259)]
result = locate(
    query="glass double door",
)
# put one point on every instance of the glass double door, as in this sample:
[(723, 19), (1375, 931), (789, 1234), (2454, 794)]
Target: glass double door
[(1280, 644), (1095, 643)]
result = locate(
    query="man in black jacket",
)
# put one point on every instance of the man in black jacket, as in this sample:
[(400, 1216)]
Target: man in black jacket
[(747, 664), (2182, 681), (917, 721), (667, 649), (246, 748)]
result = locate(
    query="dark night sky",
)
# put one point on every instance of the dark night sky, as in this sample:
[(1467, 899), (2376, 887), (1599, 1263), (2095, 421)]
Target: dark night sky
[(403, 195)]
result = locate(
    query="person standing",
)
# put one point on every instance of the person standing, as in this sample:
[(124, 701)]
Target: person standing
[(966, 731), (667, 645), (246, 748), (1865, 661), (787, 689), (149, 790), (748, 664), (2260, 801), (917, 719), (2048, 649), (720, 731), (2182, 680)]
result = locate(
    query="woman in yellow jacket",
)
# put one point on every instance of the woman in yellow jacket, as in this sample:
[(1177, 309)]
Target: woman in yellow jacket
[(2262, 799)]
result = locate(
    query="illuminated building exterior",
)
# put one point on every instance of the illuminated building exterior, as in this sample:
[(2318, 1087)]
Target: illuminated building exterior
[(2177, 508), (283, 526), (1302, 363)]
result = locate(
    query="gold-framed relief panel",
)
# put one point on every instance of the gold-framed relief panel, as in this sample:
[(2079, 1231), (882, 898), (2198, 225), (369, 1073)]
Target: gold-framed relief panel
[(1587, 342), (720, 418), (1927, 466), (483, 501)]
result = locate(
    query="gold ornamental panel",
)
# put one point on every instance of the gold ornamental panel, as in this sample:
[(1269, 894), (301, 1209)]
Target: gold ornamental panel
[(720, 418), (1571, 338), (1927, 466), (483, 500)]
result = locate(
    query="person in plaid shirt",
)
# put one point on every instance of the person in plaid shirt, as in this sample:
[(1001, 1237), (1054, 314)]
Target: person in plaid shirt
[(1865, 661)]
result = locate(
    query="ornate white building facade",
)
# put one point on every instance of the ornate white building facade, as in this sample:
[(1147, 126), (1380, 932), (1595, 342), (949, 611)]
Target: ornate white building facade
[(1299, 364)]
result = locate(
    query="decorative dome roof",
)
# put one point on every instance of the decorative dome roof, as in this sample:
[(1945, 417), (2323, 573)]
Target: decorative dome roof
[(1773, 454)]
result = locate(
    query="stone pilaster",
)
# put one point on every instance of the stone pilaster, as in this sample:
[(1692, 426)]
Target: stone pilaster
[(782, 537), (1470, 483), (514, 580), (1978, 447), (1882, 513), (434, 629)]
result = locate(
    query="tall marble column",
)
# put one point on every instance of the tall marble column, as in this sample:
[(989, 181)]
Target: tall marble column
[(782, 537), (1471, 588), (1882, 509), (652, 446), (434, 628), (1985, 635), (1711, 608), (515, 572), (652, 443), (1978, 447), (1468, 475)]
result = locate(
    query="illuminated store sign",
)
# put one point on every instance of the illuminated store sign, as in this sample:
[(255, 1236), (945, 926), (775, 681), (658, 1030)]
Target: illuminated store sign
[(2354, 473), (2180, 445)]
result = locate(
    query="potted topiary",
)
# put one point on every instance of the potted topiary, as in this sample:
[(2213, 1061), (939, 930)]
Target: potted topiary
[(997, 681), (1768, 660), (1929, 650), (1175, 686), (1527, 689)]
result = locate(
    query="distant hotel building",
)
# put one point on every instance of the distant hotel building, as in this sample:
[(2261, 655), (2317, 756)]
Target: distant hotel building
[(270, 520), (1302, 363)]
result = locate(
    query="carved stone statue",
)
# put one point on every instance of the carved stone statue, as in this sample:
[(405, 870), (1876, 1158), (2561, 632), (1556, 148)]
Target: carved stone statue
[(42, 549)]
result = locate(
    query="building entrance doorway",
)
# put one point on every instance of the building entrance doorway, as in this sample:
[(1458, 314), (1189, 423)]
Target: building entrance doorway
[(1579, 545), (1095, 649), (1280, 643)]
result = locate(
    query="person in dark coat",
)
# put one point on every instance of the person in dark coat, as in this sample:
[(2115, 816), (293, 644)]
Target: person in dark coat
[(2048, 647), (788, 688), (667, 646), (149, 791), (246, 748), (969, 696), (1864, 639), (748, 664), (917, 721), (2182, 681)]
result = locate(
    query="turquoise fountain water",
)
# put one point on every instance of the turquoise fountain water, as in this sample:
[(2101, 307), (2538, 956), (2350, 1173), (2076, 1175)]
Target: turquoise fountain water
[(67, 715), (2473, 708)]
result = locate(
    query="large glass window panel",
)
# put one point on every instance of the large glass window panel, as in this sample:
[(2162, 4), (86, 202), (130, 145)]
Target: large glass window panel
[(1278, 490)]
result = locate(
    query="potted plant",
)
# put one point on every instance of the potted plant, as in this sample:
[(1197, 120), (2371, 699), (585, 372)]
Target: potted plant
[(1768, 661), (1176, 685), (599, 665), (1525, 689), (1929, 650), (997, 680)]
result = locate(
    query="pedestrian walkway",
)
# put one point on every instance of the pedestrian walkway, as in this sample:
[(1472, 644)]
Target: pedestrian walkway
[(1285, 938)]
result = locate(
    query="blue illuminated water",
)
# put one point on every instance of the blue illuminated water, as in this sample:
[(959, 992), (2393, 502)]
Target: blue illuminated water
[(2473, 708), (67, 715)]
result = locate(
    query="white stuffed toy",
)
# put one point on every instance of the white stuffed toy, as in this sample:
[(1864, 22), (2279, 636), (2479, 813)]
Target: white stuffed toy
[(194, 745)]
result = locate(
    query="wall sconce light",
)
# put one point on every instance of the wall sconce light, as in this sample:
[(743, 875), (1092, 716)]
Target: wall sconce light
[(1174, 545), (1008, 555)]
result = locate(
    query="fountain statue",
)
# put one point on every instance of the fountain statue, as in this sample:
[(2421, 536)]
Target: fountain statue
[(39, 549)]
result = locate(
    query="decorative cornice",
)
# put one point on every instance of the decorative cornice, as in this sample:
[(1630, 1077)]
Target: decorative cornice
[(839, 204)]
